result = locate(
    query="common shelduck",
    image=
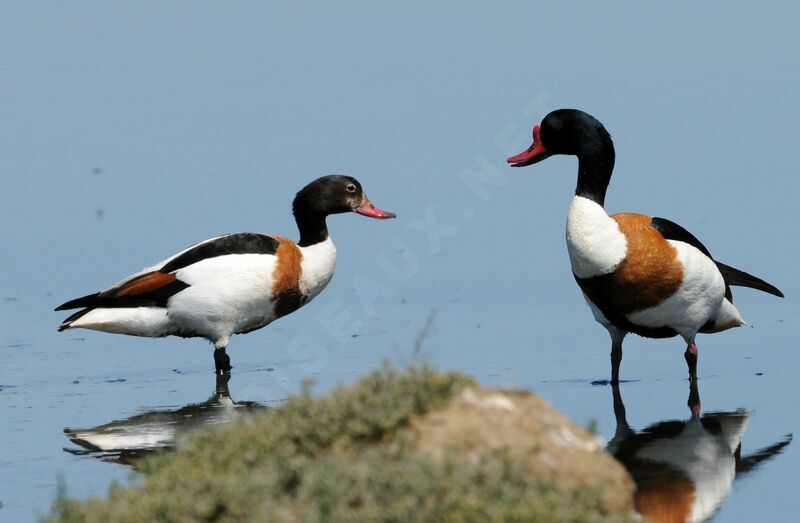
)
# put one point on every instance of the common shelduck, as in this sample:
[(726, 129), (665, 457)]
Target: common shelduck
[(231, 284), (638, 273), (684, 469)]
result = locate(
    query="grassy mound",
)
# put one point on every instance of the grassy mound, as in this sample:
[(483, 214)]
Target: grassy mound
[(348, 456)]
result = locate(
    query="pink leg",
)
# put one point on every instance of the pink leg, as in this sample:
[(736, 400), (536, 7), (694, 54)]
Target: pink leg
[(691, 359)]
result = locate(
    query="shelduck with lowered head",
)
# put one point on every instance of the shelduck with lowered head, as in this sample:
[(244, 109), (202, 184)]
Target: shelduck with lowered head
[(638, 273), (231, 284)]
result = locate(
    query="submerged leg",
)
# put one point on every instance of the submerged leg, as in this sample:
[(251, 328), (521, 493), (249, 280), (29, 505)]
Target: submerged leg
[(691, 359), (221, 360), (619, 408), (623, 431), (694, 399), (222, 390), (616, 353)]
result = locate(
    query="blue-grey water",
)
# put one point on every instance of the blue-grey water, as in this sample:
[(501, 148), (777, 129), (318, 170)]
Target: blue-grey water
[(130, 132)]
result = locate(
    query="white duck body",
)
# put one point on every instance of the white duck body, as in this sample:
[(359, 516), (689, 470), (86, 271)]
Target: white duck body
[(227, 294), (598, 247)]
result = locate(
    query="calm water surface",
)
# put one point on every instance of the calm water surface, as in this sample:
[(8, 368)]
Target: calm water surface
[(82, 405)]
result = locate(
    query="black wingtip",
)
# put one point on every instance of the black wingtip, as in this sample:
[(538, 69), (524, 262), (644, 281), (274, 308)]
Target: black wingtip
[(769, 289), (89, 300), (742, 279), (763, 286)]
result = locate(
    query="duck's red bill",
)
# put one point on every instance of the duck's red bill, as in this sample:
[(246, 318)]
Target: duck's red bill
[(535, 153), (368, 209)]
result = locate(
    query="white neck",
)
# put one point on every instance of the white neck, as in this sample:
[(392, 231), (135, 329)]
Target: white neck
[(319, 261), (596, 245)]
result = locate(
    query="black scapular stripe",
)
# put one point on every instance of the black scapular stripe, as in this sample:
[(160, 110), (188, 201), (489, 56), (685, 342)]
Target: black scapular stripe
[(239, 243), (155, 298), (672, 231)]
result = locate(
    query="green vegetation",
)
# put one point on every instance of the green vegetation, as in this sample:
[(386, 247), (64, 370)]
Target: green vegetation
[(342, 457)]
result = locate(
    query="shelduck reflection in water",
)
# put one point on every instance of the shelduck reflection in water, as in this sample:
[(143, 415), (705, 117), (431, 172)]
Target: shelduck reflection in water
[(684, 470), (126, 440)]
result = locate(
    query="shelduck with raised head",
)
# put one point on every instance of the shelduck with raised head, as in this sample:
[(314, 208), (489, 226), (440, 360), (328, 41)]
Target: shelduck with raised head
[(638, 273), (231, 284)]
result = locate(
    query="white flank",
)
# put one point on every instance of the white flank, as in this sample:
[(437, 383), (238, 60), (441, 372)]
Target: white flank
[(227, 294), (595, 244), (137, 321), (319, 261), (698, 299)]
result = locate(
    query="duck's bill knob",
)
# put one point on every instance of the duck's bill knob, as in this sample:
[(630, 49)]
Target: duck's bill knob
[(533, 154)]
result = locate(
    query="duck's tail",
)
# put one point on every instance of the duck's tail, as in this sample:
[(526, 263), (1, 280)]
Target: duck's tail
[(137, 306), (134, 321), (738, 278)]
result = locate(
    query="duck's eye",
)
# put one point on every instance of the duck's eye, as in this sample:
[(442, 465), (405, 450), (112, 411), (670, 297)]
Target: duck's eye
[(351, 187)]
